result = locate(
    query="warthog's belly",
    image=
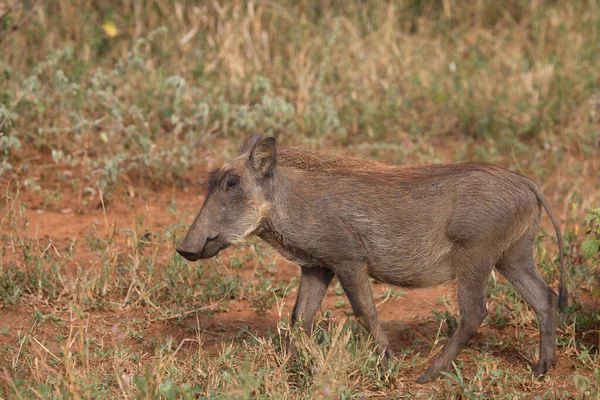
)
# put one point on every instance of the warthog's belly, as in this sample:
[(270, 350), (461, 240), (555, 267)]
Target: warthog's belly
[(418, 267)]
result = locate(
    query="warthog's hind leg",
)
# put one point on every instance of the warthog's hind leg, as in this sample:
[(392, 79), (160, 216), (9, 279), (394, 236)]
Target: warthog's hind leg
[(519, 268), (472, 281)]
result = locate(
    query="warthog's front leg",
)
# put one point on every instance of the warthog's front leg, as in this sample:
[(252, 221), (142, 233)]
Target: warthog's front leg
[(355, 282), (313, 285)]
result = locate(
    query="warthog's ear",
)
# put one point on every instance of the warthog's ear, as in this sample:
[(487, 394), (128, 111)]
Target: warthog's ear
[(249, 144), (263, 157)]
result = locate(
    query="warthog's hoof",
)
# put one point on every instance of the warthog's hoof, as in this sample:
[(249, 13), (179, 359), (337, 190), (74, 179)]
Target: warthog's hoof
[(291, 349), (543, 367), (427, 377), (384, 364), (432, 372)]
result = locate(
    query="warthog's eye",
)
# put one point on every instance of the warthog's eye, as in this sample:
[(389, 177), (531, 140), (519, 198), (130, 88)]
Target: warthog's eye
[(232, 182)]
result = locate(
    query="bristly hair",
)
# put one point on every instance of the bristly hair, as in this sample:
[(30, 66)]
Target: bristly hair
[(317, 162)]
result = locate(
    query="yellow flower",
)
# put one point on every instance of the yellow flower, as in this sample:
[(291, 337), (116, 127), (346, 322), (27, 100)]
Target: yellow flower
[(110, 29)]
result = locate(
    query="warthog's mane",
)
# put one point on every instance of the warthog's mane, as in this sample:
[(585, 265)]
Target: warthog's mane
[(318, 162), (312, 161)]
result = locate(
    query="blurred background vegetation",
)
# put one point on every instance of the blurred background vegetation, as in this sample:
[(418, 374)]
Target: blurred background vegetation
[(140, 87)]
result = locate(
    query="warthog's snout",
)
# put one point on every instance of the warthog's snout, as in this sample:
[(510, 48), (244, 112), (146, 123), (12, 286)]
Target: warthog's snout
[(194, 248), (188, 255)]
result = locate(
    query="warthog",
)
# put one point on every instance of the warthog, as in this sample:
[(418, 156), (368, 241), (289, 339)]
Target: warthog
[(407, 226)]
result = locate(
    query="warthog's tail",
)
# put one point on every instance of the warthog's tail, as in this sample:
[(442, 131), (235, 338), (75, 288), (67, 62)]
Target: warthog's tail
[(563, 295)]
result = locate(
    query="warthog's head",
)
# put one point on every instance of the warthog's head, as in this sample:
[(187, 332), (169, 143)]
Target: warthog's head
[(235, 203)]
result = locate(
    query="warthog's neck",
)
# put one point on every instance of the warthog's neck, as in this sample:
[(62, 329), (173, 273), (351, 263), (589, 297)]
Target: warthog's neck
[(284, 226), (286, 246)]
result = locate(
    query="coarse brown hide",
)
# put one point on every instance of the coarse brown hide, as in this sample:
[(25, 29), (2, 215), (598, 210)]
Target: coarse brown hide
[(407, 226)]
